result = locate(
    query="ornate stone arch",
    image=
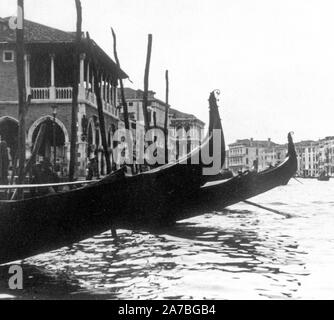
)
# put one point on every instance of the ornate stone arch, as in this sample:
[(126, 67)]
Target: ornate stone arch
[(42, 119), (8, 118)]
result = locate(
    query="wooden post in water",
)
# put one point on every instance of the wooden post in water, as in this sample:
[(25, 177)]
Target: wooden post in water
[(124, 104), (22, 95), (16, 156), (99, 104), (146, 82), (37, 146), (166, 116), (101, 120), (75, 85)]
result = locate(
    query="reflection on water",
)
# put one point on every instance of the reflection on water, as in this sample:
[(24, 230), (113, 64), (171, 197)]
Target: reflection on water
[(241, 252)]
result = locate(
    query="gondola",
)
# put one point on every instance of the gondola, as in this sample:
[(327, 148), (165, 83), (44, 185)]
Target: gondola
[(323, 176), (217, 195), (41, 224)]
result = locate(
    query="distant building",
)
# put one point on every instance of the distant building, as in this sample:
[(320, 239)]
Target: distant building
[(307, 158), (49, 80), (156, 108), (272, 155), (192, 131), (248, 154), (191, 126), (326, 155), (315, 157)]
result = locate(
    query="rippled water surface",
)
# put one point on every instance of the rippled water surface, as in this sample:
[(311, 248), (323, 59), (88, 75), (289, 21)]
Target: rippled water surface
[(239, 253)]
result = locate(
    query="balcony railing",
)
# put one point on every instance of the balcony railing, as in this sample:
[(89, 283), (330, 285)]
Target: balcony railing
[(65, 95), (40, 93)]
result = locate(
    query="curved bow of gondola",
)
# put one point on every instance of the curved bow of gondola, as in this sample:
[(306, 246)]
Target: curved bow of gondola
[(288, 167), (208, 145), (292, 156), (216, 148), (291, 146)]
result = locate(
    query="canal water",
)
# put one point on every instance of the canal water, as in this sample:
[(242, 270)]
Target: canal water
[(239, 253)]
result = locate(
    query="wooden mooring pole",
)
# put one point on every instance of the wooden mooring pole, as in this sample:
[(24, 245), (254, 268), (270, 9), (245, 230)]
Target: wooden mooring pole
[(166, 116), (37, 146), (22, 95), (75, 85), (146, 82), (124, 104)]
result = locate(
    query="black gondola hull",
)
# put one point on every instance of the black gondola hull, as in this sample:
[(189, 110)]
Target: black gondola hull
[(218, 195)]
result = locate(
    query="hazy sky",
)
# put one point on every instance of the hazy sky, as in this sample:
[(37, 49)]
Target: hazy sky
[(272, 60)]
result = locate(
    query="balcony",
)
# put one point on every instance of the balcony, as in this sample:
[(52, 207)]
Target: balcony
[(40, 93), (238, 153), (64, 95)]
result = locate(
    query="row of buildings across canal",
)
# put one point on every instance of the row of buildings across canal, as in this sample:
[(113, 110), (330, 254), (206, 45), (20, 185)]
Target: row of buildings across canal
[(49, 81), (314, 157)]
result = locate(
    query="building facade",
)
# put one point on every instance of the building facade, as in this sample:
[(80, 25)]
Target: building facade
[(49, 81), (156, 110), (315, 157), (308, 158), (250, 154), (155, 107), (185, 130)]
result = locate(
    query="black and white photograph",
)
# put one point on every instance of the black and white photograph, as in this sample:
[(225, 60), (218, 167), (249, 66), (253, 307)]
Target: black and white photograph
[(175, 151)]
